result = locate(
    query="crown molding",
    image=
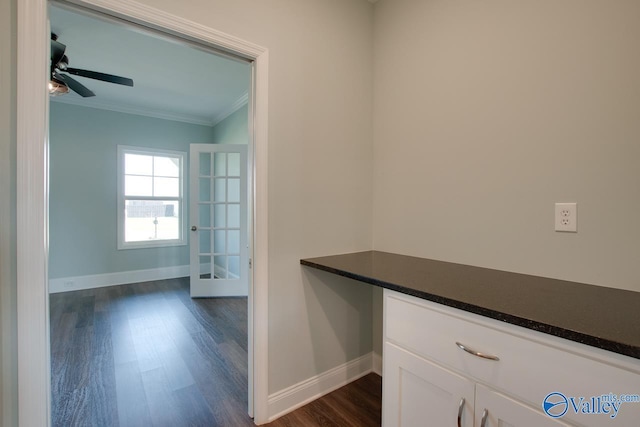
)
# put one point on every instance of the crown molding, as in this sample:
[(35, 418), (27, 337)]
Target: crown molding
[(133, 110), (240, 102)]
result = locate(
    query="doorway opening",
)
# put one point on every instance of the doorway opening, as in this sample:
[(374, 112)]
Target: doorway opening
[(153, 204), (139, 138), (33, 275)]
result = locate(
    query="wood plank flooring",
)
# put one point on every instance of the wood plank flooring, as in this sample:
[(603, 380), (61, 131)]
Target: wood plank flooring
[(148, 355), (357, 404)]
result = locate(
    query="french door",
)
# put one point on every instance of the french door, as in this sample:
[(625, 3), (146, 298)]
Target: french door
[(219, 253)]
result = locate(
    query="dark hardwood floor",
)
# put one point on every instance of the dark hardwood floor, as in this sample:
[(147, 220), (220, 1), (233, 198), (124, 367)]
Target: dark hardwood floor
[(147, 354), (357, 404)]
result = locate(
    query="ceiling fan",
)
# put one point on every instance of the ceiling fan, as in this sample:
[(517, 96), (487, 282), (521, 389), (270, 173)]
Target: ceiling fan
[(60, 83)]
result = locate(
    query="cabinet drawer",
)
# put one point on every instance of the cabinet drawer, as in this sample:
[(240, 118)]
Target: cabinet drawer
[(528, 368)]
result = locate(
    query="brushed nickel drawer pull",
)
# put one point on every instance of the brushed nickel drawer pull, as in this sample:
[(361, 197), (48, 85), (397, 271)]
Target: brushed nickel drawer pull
[(485, 414), (460, 408), (477, 353)]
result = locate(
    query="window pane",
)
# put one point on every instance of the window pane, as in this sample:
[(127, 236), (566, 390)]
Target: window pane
[(219, 191), (234, 267), (205, 267), (233, 246), (166, 187), (234, 190), (204, 215), (137, 186), (220, 164), (155, 176), (205, 164), (234, 216), (151, 220), (138, 164), (219, 241), (234, 164), (204, 236), (219, 216), (205, 190), (220, 267), (166, 166)]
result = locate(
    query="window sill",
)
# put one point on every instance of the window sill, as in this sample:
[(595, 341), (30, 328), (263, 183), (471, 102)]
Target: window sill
[(150, 245)]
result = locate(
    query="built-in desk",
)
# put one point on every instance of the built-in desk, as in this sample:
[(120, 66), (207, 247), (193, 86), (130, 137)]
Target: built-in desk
[(460, 347), (601, 317)]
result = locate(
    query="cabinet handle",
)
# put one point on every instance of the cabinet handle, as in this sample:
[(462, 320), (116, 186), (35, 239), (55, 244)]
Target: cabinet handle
[(485, 414), (460, 408), (477, 353)]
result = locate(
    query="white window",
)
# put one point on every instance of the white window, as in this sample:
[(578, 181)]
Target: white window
[(150, 203)]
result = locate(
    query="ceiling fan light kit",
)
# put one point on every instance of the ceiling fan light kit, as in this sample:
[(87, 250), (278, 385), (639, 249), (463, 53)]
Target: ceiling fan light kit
[(59, 84), (57, 88)]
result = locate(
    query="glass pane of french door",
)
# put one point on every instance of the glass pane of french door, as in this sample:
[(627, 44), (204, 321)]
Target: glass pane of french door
[(219, 255)]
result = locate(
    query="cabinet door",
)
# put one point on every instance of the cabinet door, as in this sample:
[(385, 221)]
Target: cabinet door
[(417, 392), (505, 412)]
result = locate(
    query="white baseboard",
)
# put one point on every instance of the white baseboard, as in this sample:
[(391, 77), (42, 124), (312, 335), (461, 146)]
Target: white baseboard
[(291, 398), (66, 284), (376, 363)]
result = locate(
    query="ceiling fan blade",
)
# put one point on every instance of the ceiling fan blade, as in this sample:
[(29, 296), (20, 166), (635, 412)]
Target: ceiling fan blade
[(74, 85), (100, 76), (57, 52)]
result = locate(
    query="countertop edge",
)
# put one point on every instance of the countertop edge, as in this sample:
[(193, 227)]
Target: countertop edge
[(555, 330)]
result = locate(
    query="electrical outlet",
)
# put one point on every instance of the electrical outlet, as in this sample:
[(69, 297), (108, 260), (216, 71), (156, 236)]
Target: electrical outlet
[(567, 217)]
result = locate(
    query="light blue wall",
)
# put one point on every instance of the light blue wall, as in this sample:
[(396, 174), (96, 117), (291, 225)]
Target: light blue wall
[(83, 188), (234, 129)]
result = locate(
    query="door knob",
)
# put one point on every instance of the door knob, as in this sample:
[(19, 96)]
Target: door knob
[(194, 228)]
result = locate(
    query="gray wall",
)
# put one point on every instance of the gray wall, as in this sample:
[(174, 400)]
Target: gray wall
[(487, 113), (480, 109), (83, 188), (8, 327)]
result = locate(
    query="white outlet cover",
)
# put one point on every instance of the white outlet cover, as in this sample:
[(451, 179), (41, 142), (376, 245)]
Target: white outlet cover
[(566, 217)]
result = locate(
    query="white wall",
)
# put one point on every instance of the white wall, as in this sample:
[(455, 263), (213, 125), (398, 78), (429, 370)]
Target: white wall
[(320, 156), (8, 327), (487, 113)]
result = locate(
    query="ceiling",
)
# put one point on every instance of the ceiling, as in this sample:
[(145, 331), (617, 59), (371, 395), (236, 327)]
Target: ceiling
[(172, 80)]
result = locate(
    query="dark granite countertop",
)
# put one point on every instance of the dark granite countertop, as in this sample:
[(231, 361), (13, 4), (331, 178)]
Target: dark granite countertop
[(601, 317)]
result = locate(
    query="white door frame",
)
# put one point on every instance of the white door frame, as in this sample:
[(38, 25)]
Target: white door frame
[(32, 193)]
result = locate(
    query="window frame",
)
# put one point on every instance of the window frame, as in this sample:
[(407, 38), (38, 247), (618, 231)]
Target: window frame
[(122, 198)]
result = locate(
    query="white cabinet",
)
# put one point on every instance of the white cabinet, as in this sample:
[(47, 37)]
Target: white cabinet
[(502, 411), (417, 392), (426, 374)]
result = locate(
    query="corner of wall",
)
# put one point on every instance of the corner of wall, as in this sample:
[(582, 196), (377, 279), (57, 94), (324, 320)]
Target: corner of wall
[(298, 395)]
